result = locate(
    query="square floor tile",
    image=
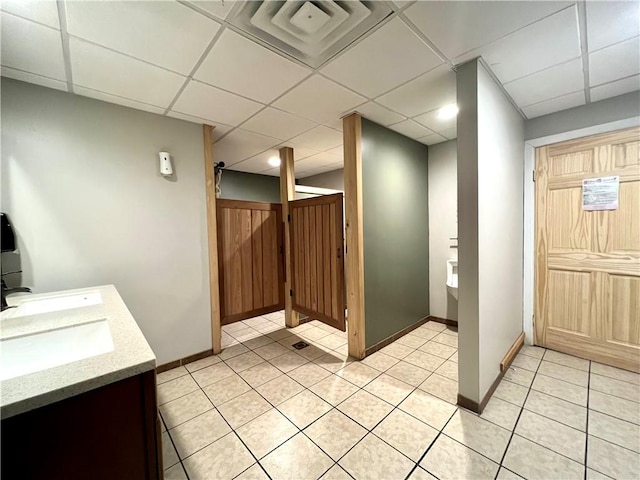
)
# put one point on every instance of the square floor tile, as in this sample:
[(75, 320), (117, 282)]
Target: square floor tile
[(271, 350), (559, 389), (425, 333), (421, 474), (556, 409), (311, 352), (438, 349), (412, 340), (441, 387), (288, 361), (212, 374), (433, 326), (176, 388), (255, 472), (244, 361), (366, 409), (336, 473), (244, 408), (331, 341), (233, 351), (448, 459), (309, 374), (185, 408), (448, 369), (298, 458), (511, 392), (335, 433), (501, 413), (614, 406), (199, 432), (203, 362), (478, 434), (553, 435), (406, 434), (374, 459), (611, 386), (532, 351), (266, 432), (429, 409), (389, 389), (304, 408), (175, 473), (334, 389), (612, 460), (226, 389), (450, 340), (280, 334), (424, 360), (279, 389), (530, 460), (258, 342), (567, 374), (225, 458), (259, 374), (171, 375), (566, 360), (380, 361), (169, 454), (617, 373), (504, 474), (358, 373), (527, 362), (521, 376), (408, 373), (333, 361), (616, 431), (397, 350), (454, 357)]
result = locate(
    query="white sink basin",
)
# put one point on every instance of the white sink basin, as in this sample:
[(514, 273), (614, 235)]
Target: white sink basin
[(42, 350), (55, 304)]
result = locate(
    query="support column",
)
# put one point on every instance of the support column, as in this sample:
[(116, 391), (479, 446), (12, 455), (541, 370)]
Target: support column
[(214, 287), (352, 131), (287, 193)]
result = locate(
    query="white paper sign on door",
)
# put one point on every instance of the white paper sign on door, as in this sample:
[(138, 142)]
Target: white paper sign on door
[(600, 193)]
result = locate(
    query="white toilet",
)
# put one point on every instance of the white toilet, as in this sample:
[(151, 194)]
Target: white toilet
[(452, 278)]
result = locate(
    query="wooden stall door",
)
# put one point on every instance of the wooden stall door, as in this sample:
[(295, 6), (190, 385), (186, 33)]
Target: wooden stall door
[(317, 258), (250, 253), (588, 262)]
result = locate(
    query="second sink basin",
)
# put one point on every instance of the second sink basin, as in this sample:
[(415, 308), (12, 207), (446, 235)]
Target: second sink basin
[(56, 304)]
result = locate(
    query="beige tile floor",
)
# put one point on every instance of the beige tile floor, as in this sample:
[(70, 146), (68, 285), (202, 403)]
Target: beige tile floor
[(262, 409)]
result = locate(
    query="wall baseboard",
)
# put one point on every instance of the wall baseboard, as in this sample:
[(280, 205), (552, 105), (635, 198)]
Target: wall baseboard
[(394, 337), (446, 321), (183, 361), (504, 365)]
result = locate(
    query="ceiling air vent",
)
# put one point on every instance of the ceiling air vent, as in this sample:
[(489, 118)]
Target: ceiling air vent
[(312, 32)]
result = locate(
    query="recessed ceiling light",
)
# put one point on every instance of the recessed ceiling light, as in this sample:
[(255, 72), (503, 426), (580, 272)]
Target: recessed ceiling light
[(274, 161), (448, 111)]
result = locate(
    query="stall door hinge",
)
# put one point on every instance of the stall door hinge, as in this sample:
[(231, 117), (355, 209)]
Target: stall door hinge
[(534, 175)]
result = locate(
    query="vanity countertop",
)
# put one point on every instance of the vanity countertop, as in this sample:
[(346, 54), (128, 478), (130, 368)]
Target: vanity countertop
[(131, 354)]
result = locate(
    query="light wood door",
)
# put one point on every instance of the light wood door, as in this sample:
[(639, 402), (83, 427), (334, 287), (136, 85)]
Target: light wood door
[(250, 259), (317, 260), (588, 262)]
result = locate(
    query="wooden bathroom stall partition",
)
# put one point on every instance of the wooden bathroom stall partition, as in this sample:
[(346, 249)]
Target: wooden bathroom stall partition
[(317, 258), (250, 259), (588, 262)]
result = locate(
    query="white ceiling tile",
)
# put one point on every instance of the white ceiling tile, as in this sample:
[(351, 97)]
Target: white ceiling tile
[(335, 124), (218, 8), (320, 138), (458, 27), (242, 66), (317, 171), (41, 11), (240, 145), (31, 47), (431, 121), (319, 99), (536, 47), (272, 172), (388, 57), (615, 62), (256, 164), (338, 151), (432, 139), (450, 133), (613, 89), (299, 151), (125, 102), (379, 114), (425, 93), (611, 22), (551, 83), (216, 105), (151, 31), (554, 105), (110, 72), (32, 78), (410, 129), (315, 162), (219, 130), (278, 124)]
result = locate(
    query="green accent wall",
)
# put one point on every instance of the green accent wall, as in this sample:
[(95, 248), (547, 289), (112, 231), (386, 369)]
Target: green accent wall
[(396, 231), (250, 186)]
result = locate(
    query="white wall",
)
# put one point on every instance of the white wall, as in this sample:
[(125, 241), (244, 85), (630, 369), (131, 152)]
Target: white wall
[(443, 225), (490, 204), (81, 184)]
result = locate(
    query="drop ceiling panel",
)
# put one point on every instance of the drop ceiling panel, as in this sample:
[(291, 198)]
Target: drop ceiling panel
[(318, 171), (242, 66), (151, 31), (379, 114), (427, 92), (615, 62), (613, 89), (450, 133), (278, 124), (41, 11), (316, 162), (385, 59), (110, 72), (410, 129), (547, 84), (272, 172), (432, 122), (611, 22), (216, 105), (217, 8), (32, 78), (219, 130), (555, 105), (299, 151), (31, 47), (432, 139), (458, 27), (256, 164), (320, 138), (338, 151), (240, 145), (319, 99), (536, 47), (125, 102)]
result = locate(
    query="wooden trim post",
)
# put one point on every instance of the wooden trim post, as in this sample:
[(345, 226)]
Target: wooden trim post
[(352, 132), (287, 193), (214, 288)]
